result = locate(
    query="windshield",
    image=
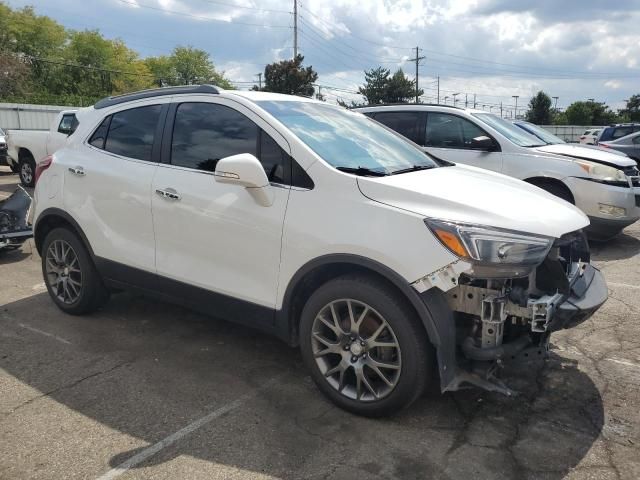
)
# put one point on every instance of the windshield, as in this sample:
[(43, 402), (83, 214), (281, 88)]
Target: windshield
[(509, 130), (1, 132), (348, 140), (541, 133)]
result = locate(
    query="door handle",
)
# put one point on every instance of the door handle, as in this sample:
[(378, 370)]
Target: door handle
[(168, 193), (77, 171)]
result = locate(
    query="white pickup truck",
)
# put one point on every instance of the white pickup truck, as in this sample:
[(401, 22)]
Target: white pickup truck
[(27, 147)]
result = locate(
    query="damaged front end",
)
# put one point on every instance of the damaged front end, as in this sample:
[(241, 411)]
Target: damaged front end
[(14, 219), (505, 314)]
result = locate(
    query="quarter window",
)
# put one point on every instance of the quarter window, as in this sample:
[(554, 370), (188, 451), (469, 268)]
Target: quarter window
[(406, 124), (100, 135), (450, 131), (131, 132)]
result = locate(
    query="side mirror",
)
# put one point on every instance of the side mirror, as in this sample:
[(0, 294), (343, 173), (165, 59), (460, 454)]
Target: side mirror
[(483, 143), (246, 170)]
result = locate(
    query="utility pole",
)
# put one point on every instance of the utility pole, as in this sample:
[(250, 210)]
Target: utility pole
[(260, 80), (474, 101), (555, 106), (515, 112), (466, 101), (417, 60), (438, 89), (295, 28), (455, 98), (500, 109)]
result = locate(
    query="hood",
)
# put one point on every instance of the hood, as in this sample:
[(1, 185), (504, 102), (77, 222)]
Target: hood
[(599, 155), (472, 195)]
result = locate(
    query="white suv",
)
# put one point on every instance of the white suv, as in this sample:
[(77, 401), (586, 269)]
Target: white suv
[(603, 185), (315, 224)]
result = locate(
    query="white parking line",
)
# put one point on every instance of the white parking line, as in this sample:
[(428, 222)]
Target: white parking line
[(625, 285), (46, 334), (623, 362), (183, 432)]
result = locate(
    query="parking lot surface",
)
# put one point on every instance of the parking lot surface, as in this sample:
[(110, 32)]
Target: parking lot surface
[(144, 389)]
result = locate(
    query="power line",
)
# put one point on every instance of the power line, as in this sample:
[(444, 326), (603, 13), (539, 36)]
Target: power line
[(201, 17)]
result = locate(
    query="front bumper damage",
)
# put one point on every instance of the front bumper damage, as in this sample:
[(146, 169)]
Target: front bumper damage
[(502, 321), (14, 219)]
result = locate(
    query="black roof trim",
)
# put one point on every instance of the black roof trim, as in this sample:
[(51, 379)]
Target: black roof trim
[(156, 92), (408, 105)]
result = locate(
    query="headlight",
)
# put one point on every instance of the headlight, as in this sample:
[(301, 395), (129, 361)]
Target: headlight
[(488, 245), (603, 173)]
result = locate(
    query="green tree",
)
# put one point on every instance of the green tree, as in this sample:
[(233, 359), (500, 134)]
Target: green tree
[(290, 77), (192, 66), (539, 109), (375, 85), (382, 87), (632, 110), (400, 89), (589, 113)]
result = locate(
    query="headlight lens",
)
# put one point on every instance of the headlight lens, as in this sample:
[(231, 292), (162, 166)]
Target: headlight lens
[(491, 245), (602, 172)]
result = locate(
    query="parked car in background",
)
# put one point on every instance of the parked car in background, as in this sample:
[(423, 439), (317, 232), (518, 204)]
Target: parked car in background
[(14, 220), (589, 136), (312, 222), (584, 150), (3, 149), (602, 185), (614, 132), (27, 147), (629, 145)]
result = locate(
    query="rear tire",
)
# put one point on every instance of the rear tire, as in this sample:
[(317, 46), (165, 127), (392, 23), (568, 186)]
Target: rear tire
[(27, 170), (356, 330), (70, 275)]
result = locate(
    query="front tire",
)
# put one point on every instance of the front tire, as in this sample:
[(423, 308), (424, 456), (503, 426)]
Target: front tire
[(27, 171), (70, 275), (364, 346)]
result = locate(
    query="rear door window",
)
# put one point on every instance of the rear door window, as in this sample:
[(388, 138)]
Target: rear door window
[(406, 124), (131, 132)]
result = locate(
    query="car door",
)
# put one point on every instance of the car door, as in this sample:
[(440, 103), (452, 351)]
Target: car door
[(448, 136), (107, 186), (211, 235)]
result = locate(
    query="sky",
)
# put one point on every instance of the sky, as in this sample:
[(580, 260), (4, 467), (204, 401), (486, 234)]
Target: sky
[(493, 49)]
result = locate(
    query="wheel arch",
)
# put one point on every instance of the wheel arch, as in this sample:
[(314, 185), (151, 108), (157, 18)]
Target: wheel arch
[(539, 181), (53, 218), (431, 306), (24, 152)]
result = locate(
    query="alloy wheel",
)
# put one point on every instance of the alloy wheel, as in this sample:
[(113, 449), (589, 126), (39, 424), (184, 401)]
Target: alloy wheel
[(63, 271), (356, 350), (26, 172)]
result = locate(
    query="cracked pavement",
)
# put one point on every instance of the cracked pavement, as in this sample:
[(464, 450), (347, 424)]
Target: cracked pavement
[(81, 395)]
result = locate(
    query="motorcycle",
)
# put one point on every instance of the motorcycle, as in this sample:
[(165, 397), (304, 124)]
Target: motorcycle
[(14, 220)]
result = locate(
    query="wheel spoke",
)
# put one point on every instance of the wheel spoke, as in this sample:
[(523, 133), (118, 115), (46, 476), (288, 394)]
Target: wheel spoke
[(365, 380), (334, 370), (324, 341), (334, 328), (380, 374), (373, 363)]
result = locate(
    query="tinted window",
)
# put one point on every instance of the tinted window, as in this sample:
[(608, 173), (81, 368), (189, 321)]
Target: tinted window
[(273, 158), (622, 131), (204, 133), (99, 136), (405, 123), (131, 132), (636, 139), (450, 131), (68, 124)]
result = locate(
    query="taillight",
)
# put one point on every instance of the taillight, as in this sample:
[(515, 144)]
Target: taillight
[(42, 166)]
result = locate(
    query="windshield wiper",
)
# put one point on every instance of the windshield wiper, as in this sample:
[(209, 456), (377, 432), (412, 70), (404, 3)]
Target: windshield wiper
[(364, 171), (414, 168)]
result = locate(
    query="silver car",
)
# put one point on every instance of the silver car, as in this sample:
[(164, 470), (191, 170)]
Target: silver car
[(629, 144)]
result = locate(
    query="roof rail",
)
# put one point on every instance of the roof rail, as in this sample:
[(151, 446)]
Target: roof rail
[(413, 104), (156, 92)]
